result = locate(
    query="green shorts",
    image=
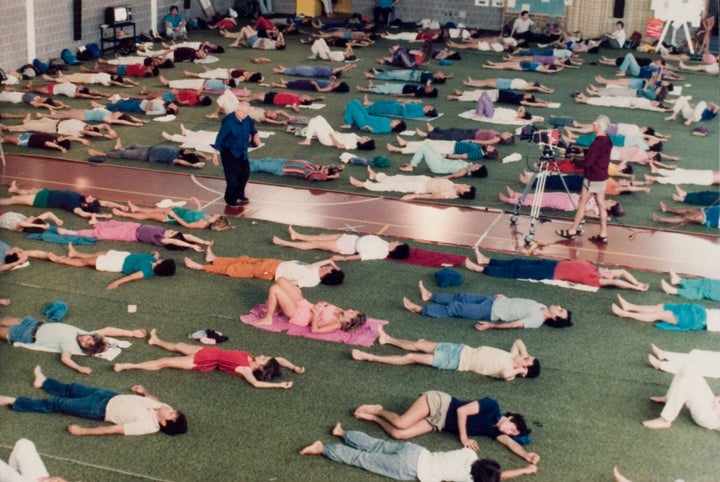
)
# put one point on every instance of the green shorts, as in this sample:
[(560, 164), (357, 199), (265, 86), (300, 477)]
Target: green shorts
[(41, 198)]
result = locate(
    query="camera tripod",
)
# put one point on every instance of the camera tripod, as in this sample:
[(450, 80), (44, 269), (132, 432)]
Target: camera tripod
[(547, 165)]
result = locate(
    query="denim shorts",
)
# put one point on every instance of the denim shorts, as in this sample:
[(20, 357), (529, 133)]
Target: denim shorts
[(24, 332), (447, 356)]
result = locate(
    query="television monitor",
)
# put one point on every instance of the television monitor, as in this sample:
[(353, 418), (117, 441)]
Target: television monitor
[(117, 15)]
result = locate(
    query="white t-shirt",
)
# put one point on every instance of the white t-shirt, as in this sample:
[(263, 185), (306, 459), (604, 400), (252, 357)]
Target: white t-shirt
[(713, 320), (65, 88), (101, 78), (521, 26), (134, 412), (453, 466), (70, 127), (301, 273), (372, 247)]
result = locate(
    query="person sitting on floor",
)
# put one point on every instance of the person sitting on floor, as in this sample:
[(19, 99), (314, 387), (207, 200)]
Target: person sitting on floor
[(286, 298), (483, 360), (500, 311), (258, 371)]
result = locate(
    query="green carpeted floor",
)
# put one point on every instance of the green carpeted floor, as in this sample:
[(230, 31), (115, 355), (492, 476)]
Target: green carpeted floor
[(585, 409)]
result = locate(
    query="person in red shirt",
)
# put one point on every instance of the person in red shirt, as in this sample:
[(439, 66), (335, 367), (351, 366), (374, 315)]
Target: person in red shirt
[(294, 101), (256, 370), (595, 169), (573, 271)]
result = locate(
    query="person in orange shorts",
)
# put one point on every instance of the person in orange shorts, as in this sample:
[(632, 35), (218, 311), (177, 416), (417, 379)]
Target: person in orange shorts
[(302, 274)]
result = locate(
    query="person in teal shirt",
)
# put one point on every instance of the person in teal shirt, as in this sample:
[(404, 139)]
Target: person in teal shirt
[(406, 110), (133, 266), (356, 114)]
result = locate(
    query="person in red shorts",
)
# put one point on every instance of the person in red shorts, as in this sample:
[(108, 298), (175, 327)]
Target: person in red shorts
[(284, 98), (256, 370), (573, 271)]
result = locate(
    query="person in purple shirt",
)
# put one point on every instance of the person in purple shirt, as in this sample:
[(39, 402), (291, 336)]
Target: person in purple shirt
[(595, 171), (143, 233)]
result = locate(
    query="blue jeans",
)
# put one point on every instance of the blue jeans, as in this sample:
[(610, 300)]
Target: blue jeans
[(461, 305), (630, 65), (397, 460), (74, 399)]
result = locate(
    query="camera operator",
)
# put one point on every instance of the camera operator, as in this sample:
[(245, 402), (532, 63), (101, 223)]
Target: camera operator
[(595, 171)]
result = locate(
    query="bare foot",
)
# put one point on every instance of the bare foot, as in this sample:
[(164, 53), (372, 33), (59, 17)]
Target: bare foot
[(652, 359), (6, 401), (411, 307), (316, 448), (364, 410), (663, 207), (13, 189), (667, 287), (189, 263), (132, 207), (356, 182), (623, 304), (279, 241), (39, 377), (118, 367), (674, 278), (265, 320), (479, 257), (93, 152), (153, 340), (304, 143), (659, 354), (658, 423), (337, 430), (4, 301), (359, 355), (474, 266), (425, 293), (617, 310), (293, 234), (371, 173), (139, 333), (661, 399), (71, 251)]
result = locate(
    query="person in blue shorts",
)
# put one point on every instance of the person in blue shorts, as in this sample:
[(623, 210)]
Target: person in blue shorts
[(707, 216), (670, 317), (483, 360), (693, 289)]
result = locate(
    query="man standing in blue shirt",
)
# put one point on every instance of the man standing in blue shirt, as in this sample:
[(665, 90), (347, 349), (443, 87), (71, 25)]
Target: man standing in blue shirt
[(236, 132)]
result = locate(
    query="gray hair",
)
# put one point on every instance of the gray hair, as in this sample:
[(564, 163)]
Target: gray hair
[(603, 122)]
